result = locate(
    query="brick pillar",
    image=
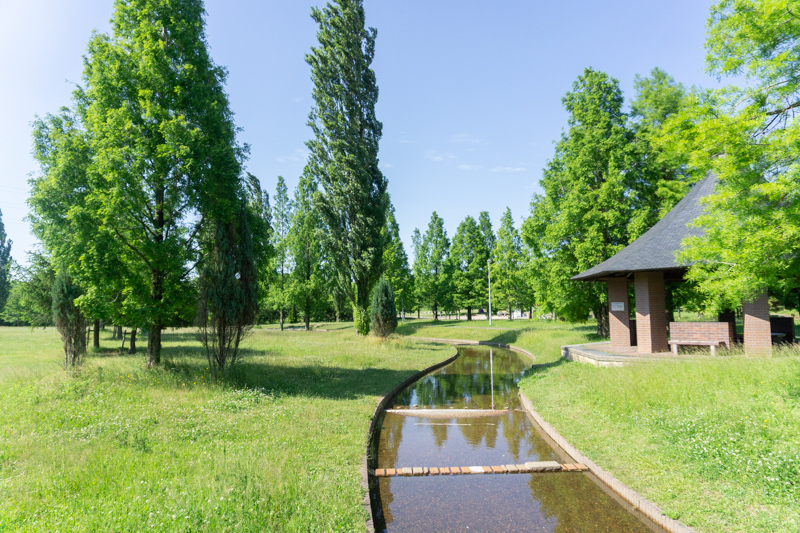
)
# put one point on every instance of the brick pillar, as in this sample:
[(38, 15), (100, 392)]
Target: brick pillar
[(619, 321), (757, 332), (651, 312)]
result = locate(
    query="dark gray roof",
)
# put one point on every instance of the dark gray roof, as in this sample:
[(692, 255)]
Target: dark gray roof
[(656, 249)]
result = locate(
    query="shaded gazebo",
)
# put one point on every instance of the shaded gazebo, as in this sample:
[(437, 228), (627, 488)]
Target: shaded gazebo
[(648, 262)]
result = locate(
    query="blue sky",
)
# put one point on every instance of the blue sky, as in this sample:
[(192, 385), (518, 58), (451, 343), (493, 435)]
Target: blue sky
[(470, 92)]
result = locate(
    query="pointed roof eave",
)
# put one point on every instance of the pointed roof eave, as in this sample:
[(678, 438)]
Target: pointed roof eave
[(656, 250)]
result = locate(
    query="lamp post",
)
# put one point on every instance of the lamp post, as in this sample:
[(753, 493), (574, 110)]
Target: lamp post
[(489, 262)]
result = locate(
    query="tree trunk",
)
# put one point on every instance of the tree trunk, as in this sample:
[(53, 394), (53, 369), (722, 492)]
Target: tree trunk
[(601, 314), (132, 347), (510, 313), (308, 315), (281, 318), (530, 314), (418, 313), (154, 345), (96, 343), (469, 313)]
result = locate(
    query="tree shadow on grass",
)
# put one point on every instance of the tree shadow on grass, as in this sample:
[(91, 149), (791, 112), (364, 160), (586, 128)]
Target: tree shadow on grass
[(189, 363), (410, 328)]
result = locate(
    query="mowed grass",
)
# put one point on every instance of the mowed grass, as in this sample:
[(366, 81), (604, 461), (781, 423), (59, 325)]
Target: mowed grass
[(715, 442), (117, 447), (543, 338)]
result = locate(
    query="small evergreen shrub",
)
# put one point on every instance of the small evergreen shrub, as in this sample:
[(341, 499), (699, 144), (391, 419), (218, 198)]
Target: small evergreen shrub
[(382, 310), (68, 319)]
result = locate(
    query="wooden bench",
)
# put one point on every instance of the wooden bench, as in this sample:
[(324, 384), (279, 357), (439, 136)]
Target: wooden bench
[(712, 344)]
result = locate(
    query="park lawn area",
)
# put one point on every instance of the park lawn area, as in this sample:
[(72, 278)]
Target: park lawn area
[(543, 338), (715, 442), (116, 447)]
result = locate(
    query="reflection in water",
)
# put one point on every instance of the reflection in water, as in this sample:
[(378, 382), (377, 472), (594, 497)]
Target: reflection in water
[(555, 502), (474, 380)]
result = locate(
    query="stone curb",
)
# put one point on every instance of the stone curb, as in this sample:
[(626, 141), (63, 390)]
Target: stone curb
[(647, 508), (386, 400)]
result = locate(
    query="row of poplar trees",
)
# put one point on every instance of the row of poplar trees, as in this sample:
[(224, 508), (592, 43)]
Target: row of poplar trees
[(142, 204)]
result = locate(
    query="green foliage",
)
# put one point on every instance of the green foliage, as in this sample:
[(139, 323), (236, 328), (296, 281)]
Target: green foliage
[(395, 263), (278, 295), (68, 319), (30, 300), (508, 283), (752, 237), (585, 214), (228, 303), (307, 286), (5, 265), (469, 257), (148, 156), (383, 313), (343, 155), (432, 270)]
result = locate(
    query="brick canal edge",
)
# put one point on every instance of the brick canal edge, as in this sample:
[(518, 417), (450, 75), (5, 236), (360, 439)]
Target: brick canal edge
[(644, 506)]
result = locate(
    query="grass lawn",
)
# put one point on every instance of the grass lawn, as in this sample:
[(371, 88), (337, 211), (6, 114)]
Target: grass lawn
[(714, 442), (543, 338), (118, 447)]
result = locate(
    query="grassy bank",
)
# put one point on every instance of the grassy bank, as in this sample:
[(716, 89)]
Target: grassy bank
[(714, 442), (543, 338), (117, 447)]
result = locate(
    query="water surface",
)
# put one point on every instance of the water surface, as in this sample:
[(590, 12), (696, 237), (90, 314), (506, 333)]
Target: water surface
[(482, 378)]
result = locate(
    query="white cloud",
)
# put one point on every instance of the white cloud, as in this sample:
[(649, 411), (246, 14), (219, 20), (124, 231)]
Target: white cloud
[(439, 157), (465, 138), (298, 156), (509, 169)]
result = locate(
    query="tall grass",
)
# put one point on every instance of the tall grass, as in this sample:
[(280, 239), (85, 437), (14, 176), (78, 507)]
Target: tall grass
[(714, 441), (118, 447)]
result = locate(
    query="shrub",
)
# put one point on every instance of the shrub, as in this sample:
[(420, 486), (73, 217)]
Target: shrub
[(382, 310)]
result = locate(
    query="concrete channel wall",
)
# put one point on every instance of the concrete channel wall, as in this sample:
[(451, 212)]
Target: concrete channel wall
[(644, 506)]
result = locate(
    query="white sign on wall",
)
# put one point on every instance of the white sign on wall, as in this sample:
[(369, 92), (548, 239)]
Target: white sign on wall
[(617, 306)]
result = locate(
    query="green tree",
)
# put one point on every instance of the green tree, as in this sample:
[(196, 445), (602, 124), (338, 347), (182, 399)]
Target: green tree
[(165, 160), (489, 239), (5, 264), (752, 223), (228, 303), (343, 155), (657, 99), (507, 263), (585, 214), (68, 319), (469, 258), (383, 313), (431, 267), (260, 221), (30, 300), (282, 221), (307, 286), (395, 263)]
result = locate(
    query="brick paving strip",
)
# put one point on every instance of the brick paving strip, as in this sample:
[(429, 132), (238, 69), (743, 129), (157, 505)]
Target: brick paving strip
[(538, 466)]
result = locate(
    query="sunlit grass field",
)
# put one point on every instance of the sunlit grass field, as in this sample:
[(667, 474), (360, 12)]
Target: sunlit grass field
[(715, 442), (117, 447)]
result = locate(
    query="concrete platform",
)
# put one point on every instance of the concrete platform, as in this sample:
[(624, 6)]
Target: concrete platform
[(601, 354)]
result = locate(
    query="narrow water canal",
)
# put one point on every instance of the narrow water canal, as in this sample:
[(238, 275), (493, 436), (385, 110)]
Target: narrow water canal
[(412, 435)]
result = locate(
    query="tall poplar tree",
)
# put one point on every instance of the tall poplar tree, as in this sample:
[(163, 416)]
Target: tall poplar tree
[(343, 155), (165, 156), (282, 222)]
